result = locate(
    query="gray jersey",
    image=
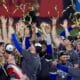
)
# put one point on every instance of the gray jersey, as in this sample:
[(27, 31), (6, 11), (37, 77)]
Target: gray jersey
[(31, 64)]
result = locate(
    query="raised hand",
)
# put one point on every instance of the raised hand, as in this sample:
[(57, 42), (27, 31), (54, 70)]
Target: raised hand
[(10, 29), (3, 20), (54, 21), (20, 26), (11, 21), (46, 28), (4, 28), (65, 24)]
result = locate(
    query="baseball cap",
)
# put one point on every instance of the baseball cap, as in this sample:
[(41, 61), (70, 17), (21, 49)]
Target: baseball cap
[(38, 47), (61, 53), (9, 48), (38, 44)]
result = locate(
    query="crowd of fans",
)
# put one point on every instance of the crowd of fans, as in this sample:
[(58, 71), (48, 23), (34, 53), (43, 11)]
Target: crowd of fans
[(35, 51)]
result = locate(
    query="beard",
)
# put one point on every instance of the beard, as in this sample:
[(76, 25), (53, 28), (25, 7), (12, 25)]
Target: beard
[(41, 54)]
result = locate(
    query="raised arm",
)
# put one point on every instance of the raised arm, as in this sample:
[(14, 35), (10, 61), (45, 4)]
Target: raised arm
[(43, 26), (66, 28), (55, 38), (46, 28), (10, 29), (16, 43), (4, 28)]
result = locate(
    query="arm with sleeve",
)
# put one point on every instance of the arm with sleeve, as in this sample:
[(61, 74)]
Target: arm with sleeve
[(49, 45), (63, 33), (16, 43), (72, 71), (22, 51), (27, 42)]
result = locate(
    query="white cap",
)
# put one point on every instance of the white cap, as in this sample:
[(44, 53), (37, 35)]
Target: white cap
[(10, 48), (38, 44)]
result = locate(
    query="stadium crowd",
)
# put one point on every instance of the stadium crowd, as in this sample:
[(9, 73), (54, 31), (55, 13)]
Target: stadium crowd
[(38, 51)]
